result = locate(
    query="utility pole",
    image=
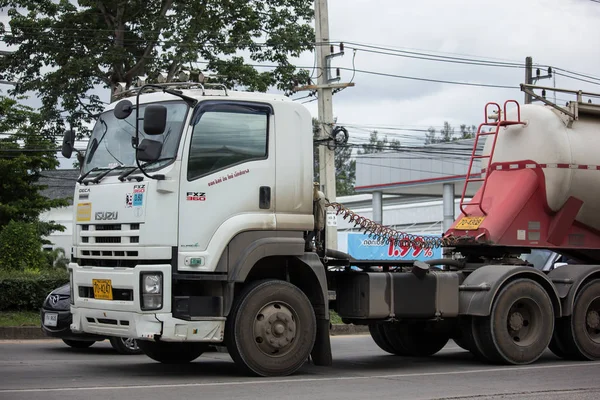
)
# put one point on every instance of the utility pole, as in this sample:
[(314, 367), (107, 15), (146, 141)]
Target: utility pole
[(324, 87), (528, 77), (325, 95)]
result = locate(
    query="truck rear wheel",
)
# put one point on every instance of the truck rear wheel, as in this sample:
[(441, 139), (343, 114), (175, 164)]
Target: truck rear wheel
[(271, 329), (469, 336), (172, 353), (415, 339), (520, 326), (579, 333), (378, 335)]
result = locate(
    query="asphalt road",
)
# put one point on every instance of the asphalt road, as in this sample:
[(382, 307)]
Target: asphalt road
[(48, 369)]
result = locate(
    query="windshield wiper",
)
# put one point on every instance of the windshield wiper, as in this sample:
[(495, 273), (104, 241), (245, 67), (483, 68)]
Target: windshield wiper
[(99, 177), (82, 177), (125, 174)]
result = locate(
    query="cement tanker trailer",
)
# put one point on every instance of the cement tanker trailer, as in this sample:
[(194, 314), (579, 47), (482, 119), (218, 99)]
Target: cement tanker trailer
[(540, 188)]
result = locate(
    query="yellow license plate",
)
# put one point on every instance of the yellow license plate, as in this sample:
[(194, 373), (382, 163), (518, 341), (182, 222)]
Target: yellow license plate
[(469, 223), (102, 289)]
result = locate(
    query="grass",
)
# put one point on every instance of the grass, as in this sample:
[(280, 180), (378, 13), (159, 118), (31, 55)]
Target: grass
[(19, 318), (334, 317)]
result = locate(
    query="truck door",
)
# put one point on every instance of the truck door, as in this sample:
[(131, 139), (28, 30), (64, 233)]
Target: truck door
[(227, 179)]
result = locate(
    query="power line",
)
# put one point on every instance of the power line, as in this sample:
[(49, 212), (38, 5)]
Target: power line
[(431, 80)]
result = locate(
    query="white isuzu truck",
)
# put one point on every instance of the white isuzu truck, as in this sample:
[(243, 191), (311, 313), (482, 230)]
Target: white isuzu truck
[(197, 222)]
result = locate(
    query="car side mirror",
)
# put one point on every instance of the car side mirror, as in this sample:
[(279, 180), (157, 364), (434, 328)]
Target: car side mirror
[(149, 150), (155, 119), (68, 144)]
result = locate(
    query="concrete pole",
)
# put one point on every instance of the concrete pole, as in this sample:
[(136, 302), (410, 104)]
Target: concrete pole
[(377, 207), (448, 205), (528, 77), (326, 156)]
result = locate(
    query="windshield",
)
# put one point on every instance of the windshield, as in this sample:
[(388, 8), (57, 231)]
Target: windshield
[(110, 143), (538, 257)]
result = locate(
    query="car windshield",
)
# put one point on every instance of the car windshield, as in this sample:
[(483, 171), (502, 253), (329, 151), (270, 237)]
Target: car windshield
[(110, 144), (538, 257)]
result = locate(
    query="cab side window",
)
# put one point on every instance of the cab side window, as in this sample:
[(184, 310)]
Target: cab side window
[(225, 135)]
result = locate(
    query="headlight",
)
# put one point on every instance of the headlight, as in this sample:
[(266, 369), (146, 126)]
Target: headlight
[(151, 284)]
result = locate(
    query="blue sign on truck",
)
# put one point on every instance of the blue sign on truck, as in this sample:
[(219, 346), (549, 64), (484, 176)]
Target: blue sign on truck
[(363, 247)]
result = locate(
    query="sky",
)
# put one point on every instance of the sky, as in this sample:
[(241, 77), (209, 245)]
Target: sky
[(561, 33)]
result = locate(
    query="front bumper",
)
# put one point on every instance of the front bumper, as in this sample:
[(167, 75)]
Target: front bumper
[(125, 318), (147, 326), (62, 330)]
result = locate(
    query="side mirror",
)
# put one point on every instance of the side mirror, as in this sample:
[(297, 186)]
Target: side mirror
[(155, 119), (149, 150), (68, 144), (123, 109)]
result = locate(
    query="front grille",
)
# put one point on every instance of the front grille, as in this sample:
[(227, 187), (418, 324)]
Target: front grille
[(107, 321), (108, 239), (117, 262), (109, 253), (118, 294), (110, 233), (108, 227)]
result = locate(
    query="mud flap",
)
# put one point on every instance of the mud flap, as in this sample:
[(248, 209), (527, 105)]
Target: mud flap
[(321, 352)]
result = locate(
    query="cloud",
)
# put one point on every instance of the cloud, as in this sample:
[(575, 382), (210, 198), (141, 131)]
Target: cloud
[(555, 32)]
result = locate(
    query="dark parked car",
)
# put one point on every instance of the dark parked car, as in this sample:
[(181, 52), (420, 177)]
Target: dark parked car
[(56, 322)]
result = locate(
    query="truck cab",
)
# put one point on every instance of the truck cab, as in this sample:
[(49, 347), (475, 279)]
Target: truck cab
[(214, 190)]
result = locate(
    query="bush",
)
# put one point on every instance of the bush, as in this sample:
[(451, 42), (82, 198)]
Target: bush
[(26, 290), (21, 247)]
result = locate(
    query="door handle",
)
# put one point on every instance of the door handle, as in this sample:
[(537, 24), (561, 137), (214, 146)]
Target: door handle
[(264, 198)]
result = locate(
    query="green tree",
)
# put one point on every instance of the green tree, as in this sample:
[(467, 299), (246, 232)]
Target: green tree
[(447, 133), (345, 166), (68, 48), (24, 155), (377, 145)]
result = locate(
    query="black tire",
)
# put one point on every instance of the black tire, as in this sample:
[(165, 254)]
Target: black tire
[(580, 332), (172, 353), (127, 346), (470, 338), (271, 328), (378, 335), (78, 344), (459, 336), (556, 345), (418, 339), (520, 326)]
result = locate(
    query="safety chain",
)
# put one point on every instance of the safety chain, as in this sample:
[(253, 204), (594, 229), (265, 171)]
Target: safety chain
[(387, 234)]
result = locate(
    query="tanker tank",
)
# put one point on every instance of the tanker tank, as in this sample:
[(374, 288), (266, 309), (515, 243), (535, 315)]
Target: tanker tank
[(551, 137)]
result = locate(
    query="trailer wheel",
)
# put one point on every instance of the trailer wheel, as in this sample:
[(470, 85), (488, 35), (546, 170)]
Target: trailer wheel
[(271, 329), (520, 326), (580, 333), (377, 333), (172, 353), (415, 339)]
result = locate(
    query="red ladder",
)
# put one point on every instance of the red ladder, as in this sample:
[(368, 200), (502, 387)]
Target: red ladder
[(501, 121)]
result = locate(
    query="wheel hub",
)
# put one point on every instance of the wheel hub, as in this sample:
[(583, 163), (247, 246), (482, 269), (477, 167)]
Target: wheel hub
[(516, 321), (593, 319), (275, 328)]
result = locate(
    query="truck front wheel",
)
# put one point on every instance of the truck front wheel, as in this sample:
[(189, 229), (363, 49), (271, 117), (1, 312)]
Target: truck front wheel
[(172, 353), (271, 328)]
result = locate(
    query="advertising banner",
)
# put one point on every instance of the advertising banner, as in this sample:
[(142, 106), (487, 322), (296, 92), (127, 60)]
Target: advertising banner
[(362, 247)]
